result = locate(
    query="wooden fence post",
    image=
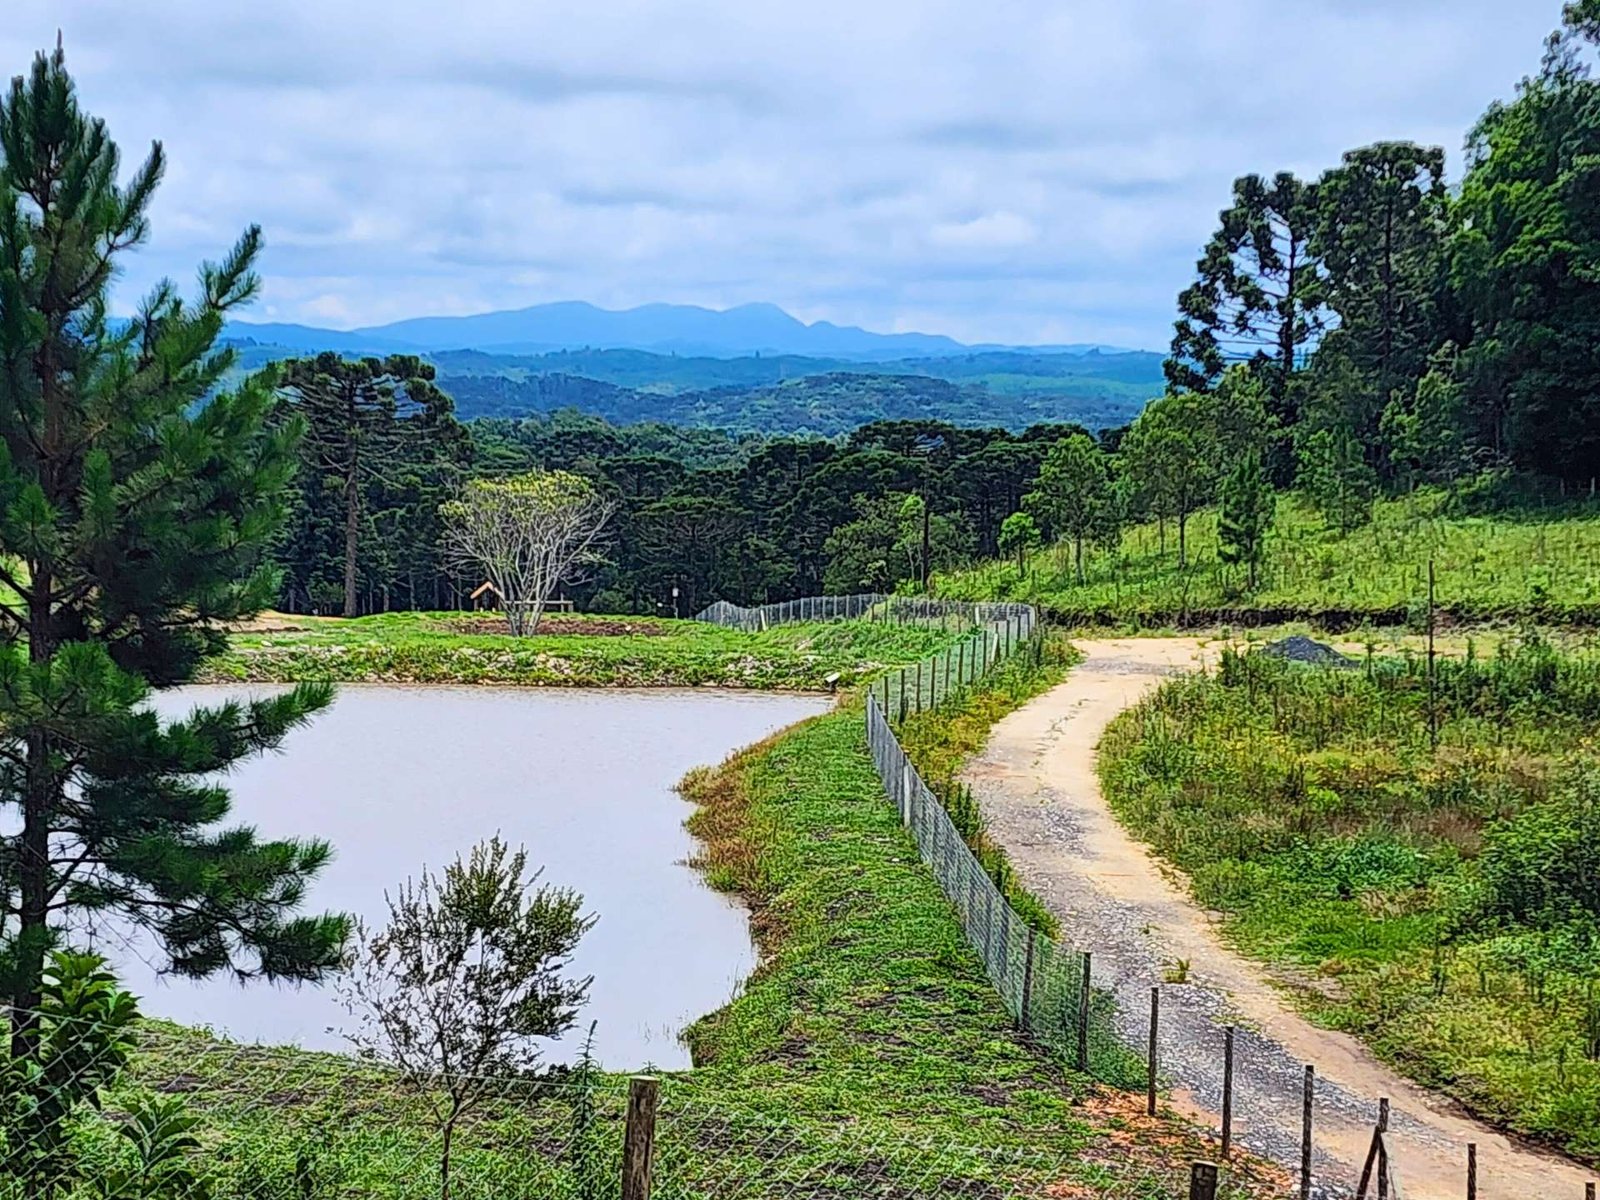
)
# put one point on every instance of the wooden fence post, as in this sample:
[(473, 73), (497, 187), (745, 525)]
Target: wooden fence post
[(1305, 1134), (639, 1141), (1083, 1015), (1155, 1021), (1383, 1148), (1202, 1181), (919, 685), (1227, 1091), (1472, 1171)]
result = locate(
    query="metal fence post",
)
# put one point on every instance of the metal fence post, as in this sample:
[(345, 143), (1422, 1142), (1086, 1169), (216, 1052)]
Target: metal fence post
[(1084, 995), (1027, 981), (639, 1141)]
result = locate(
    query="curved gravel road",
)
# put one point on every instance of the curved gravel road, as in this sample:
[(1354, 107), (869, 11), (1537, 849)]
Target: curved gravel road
[(1041, 798)]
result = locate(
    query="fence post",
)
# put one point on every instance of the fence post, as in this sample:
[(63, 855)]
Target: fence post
[(947, 673), (1472, 1171), (1202, 1181), (961, 664), (1027, 981), (1383, 1148), (1155, 1022), (1305, 1134), (919, 685), (1227, 1091), (902, 695), (639, 1141), (1083, 1015)]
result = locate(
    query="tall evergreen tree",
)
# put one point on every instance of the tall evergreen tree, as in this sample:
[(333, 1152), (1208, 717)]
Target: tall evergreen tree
[(1171, 455), (1337, 476), (1247, 506), (1381, 238), (1074, 496), (1258, 295), (137, 500)]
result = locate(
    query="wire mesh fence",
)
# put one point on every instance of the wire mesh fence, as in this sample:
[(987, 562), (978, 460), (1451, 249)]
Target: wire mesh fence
[(159, 1113)]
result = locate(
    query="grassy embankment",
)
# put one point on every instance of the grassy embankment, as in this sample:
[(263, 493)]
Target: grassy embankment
[(449, 647), (1441, 903), (867, 1055), (1539, 566)]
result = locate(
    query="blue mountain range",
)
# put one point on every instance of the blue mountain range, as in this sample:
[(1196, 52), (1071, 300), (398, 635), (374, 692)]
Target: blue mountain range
[(662, 328)]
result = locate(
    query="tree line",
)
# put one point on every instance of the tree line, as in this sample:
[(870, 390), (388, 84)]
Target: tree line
[(1403, 331)]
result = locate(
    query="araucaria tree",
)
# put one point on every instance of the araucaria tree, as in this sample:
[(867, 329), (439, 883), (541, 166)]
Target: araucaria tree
[(1257, 296), (381, 444), (460, 987), (529, 533), (137, 502)]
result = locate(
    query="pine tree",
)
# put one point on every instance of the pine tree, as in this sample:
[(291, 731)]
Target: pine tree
[(1248, 504), (1074, 495), (137, 501), (1335, 474)]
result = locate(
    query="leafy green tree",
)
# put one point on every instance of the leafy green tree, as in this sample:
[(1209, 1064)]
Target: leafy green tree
[(1337, 477), (1074, 496), (1171, 455), (84, 1036), (465, 982), (1426, 432), (1525, 262), (882, 547), (1247, 506), (1019, 534), (138, 500), (1258, 294)]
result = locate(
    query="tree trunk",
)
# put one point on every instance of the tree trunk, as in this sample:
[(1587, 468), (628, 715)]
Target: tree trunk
[(352, 537), (1077, 546), (1183, 541)]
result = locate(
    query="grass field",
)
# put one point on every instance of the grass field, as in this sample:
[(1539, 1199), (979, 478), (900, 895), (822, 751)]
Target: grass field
[(578, 651), (867, 1055), (1530, 565), (1443, 903)]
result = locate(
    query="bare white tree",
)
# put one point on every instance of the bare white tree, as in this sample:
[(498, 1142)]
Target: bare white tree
[(529, 534)]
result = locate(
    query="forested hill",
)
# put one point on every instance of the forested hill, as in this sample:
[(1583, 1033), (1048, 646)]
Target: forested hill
[(823, 404), (788, 394)]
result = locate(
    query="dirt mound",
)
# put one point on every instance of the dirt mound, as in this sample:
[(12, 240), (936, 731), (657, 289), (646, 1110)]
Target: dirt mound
[(556, 626), (1299, 648)]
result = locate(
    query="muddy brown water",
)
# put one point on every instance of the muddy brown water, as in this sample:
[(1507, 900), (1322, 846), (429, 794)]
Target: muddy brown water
[(399, 777)]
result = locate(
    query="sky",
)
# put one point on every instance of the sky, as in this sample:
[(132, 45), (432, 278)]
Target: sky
[(1020, 171)]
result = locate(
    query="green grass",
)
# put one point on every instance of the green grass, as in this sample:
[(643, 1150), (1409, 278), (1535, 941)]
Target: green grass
[(1529, 565), (434, 648), (1432, 901)]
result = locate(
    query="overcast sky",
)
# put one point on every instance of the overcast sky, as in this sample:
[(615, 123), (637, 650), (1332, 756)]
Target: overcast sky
[(997, 170)]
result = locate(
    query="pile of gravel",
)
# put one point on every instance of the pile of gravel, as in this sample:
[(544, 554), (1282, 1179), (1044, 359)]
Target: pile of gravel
[(1300, 648)]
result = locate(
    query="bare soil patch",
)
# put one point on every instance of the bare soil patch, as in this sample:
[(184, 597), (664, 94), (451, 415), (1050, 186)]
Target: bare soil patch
[(559, 626)]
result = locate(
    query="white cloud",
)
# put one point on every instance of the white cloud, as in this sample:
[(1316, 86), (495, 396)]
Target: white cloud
[(1016, 170)]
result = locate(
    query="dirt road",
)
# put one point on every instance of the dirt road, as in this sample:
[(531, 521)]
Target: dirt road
[(1041, 798)]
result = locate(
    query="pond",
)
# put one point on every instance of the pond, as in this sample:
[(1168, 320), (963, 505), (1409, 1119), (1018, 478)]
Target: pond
[(400, 777)]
